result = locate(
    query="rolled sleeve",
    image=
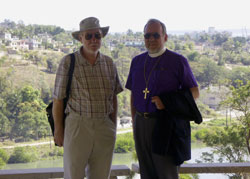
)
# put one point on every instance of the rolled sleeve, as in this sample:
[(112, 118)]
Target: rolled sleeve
[(187, 78)]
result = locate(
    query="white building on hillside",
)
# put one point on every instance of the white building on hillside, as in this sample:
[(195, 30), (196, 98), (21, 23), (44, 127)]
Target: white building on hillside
[(19, 45)]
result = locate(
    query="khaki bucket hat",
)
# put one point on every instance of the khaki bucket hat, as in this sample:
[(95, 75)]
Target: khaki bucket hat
[(88, 24)]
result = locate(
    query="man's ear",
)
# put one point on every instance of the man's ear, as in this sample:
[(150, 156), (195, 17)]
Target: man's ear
[(166, 38), (80, 37)]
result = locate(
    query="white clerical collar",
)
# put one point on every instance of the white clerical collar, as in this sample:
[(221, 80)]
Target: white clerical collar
[(157, 54)]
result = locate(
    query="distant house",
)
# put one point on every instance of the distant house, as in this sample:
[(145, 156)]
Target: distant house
[(69, 43), (15, 38), (45, 37), (34, 44), (134, 43), (19, 45)]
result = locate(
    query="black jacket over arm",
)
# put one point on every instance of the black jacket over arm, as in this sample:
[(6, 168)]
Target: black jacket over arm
[(172, 133)]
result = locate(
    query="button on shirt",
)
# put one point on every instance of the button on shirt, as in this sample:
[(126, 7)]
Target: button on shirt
[(92, 88)]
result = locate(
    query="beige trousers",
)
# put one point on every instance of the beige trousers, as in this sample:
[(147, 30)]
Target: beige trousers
[(88, 147)]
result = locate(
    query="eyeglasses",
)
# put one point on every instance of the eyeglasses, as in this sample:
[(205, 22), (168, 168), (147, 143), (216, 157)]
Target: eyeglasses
[(90, 36), (155, 35)]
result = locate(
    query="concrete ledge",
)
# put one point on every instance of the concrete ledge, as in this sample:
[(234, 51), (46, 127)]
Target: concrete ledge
[(209, 168), (38, 173), (45, 173), (216, 168), (120, 170)]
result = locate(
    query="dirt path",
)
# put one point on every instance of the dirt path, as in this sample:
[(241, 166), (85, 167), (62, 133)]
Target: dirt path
[(50, 142)]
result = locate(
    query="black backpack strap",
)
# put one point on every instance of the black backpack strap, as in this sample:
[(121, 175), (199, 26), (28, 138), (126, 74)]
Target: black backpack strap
[(70, 73)]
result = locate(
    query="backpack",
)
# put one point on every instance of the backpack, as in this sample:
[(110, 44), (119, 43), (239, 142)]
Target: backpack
[(65, 100)]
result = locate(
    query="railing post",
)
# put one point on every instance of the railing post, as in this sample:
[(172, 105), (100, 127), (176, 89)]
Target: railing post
[(113, 177), (246, 176)]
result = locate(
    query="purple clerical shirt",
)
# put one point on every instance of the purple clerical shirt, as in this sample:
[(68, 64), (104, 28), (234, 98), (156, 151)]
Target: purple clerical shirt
[(171, 73)]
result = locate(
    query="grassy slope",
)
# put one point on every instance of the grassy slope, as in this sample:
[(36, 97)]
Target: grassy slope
[(21, 72)]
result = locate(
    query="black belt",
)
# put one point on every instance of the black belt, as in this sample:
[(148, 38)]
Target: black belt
[(147, 115)]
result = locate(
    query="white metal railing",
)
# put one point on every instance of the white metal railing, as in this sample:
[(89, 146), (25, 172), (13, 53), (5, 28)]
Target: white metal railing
[(123, 170), (243, 168), (45, 173)]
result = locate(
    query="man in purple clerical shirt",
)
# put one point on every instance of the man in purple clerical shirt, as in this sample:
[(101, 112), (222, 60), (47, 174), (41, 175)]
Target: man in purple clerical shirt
[(152, 73)]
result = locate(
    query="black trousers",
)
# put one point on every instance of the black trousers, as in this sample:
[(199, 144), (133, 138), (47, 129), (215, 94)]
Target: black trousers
[(152, 166)]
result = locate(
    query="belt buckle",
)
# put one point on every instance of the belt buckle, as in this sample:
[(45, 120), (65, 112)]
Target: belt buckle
[(145, 115)]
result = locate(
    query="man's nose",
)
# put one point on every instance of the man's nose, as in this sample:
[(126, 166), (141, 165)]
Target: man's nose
[(151, 38), (93, 39)]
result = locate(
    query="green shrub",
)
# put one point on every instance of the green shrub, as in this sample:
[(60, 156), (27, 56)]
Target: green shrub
[(193, 139), (60, 151), (124, 143), (3, 155), (22, 155), (189, 176), (185, 176), (56, 152), (2, 163), (200, 134)]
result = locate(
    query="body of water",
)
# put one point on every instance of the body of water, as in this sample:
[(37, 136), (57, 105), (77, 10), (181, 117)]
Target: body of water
[(119, 159)]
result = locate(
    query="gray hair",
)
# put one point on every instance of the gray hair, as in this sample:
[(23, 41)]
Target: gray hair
[(151, 21)]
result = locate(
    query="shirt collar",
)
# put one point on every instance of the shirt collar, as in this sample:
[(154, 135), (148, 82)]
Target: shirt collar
[(157, 54)]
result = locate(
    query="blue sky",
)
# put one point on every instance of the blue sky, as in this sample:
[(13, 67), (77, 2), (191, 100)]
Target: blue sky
[(122, 15)]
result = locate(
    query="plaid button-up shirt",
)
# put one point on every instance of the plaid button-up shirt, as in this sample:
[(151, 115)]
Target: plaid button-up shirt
[(92, 88)]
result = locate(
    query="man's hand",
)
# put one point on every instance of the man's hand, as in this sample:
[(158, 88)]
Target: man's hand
[(59, 136), (158, 103)]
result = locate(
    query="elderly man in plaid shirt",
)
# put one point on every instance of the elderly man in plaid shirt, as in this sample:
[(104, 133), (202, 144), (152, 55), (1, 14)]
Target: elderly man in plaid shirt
[(89, 134)]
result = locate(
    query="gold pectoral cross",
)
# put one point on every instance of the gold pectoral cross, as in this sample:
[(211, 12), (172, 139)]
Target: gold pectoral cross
[(145, 92)]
